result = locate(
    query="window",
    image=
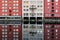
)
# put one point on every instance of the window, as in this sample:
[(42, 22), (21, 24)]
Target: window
[(3, 10), (14, 1), (56, 30), (16, 11), (52, 33), (52, 7), (48, 34), (48, 30), (25, 26), (56, 3), (3, 38), (38, 6), (40, 27), (16, 4), (16, 29), (52, 37), (48, 0), (48, 37), (3, 4), (56, 10), (5, 1), (3, 14), (52, 4), (2, 7), (48, 3), (13, 4), (56, 34), (17, 1), (25, 38), (48, 10), (56, 37), (17, 14), (56, 0), (5, 35), (15, 32), (52, 30), (52, 26), (24, 9), (26, 2), (2, 29), (52, 0), (2, 1), (52, 10), (5, 29), (52, 15)]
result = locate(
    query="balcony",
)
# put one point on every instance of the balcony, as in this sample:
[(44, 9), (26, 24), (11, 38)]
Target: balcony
[(32, 20), (10, 20), (51, 21), (26, 20)]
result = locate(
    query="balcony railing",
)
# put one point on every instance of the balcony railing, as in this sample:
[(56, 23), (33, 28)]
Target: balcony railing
[(10, 20)]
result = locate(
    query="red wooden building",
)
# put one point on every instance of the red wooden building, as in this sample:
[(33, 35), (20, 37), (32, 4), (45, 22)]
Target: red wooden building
[(51, 11), (10, 11)]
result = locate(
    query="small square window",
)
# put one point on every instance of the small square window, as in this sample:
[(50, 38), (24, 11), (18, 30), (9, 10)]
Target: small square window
[(48, 30), (17, 1), (3, 7), (56, 37), (2, 1), (52, 0), (48, 3), (52, 10), (52, 37), (14, 1), (2, 29), (25, 26), (48, 37), (52, 33), (56, 34), (5, 1), (16, 4), (48, 0), (56, 0), (17, 14), (13, 4), (52, 30), (16, 29), (52, 15), (3, 14), (5, 4), (52, 7), (56, 30), (56, 3), (25, 38), (56, 10), (52, 4), (5, 35), (3, 10)]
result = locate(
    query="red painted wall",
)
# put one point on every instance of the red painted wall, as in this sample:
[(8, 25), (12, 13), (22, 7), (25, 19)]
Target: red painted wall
[(48, 14), (10, 4), (51, 32)]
